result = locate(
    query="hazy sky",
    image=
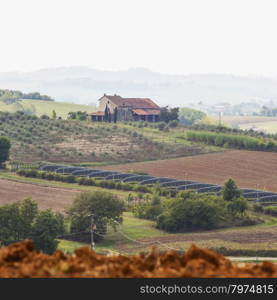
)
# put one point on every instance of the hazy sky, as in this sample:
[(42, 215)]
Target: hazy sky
[(169, 36)]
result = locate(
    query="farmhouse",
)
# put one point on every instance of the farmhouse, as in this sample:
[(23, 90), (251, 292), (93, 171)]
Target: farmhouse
[(115, 108)]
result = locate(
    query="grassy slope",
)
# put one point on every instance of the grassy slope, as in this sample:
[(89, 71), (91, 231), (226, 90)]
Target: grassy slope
[(132, 227), (40, 107), (174, 136), (138, 229)]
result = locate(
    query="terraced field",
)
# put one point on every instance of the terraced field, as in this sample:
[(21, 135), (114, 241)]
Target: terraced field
[(250, 169)]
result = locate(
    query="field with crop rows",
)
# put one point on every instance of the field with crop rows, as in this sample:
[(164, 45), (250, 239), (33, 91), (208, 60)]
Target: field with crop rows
[(250, 169)]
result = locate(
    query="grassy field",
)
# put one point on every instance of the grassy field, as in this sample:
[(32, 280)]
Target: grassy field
[(133, 228), (40, 107), (137, 235)]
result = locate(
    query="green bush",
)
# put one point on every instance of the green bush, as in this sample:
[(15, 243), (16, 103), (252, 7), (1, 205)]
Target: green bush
[(258, 208), (180, 214)]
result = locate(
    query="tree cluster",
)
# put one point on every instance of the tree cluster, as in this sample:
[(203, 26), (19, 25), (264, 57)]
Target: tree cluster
[(22, 220), (77, 115), (105, 207), (10, 96), (169, 114), (191, 211)]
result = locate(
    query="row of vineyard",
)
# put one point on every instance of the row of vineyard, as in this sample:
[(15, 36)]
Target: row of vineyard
[(232, 141)]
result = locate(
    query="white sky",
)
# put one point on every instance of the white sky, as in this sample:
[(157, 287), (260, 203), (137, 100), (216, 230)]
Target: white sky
[(169, 36)]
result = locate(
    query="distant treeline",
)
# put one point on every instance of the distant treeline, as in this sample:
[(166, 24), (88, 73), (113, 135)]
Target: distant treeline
[(232, 141), (10, 96), (268, 112)]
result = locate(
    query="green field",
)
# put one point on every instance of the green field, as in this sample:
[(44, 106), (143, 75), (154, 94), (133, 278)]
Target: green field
[(40, 107), (138, 235), (132, 227)]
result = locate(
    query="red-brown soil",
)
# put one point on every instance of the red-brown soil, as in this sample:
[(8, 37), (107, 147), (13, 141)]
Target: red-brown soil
[(47, 197), (250, 169), (20, 260)]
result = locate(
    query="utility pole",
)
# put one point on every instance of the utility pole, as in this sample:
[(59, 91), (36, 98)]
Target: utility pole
[(257, 186), (219, 118), (92, 227)]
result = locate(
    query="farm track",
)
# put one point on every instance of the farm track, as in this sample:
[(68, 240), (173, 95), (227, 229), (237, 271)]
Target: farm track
[(250, 169), (47, 197)]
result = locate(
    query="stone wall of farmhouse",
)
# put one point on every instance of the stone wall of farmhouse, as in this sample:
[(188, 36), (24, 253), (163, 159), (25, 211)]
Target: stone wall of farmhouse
[(106, 102)]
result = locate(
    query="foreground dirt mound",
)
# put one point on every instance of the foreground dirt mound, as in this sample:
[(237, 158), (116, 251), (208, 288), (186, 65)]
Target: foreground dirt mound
[(21, 260)]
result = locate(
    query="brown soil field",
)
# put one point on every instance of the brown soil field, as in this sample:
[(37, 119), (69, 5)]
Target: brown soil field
[(21, 260), (250, 169), (47, 197)]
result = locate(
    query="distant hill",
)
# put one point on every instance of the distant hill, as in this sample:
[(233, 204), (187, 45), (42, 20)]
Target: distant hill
[(85, 85), (41, 107)]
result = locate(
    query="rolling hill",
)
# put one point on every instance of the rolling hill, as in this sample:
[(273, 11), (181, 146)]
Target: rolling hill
[(42, 107), (86, 85)]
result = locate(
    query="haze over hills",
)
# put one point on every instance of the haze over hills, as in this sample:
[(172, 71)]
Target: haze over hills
[(84, 85)]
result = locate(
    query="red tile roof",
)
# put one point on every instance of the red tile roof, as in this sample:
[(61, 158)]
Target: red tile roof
[(133, 102), (98, 113), (145, 112)]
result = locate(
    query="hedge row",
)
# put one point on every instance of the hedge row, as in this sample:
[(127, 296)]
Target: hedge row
[(109, 184), (232, 141)]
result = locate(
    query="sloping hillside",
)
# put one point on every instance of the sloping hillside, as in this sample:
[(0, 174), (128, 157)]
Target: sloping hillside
[(41, 107), (35, 139)]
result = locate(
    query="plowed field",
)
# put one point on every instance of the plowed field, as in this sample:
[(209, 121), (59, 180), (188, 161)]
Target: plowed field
[(46, 196), (250, 169)]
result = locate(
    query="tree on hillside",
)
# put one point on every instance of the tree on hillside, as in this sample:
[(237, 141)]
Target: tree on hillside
[(189, 116), (115, 115), (5, 146), (106, 114), (54, 115), (46, 228), (28, 210), (79, 115), (72, 115), (194, 212), (169, 114), (22, 220), (106, 208), (230, 190)]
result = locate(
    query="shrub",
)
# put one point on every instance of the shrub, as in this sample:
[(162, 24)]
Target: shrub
[(258, 208), (173, 123), (162, 126), (193, 213)]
